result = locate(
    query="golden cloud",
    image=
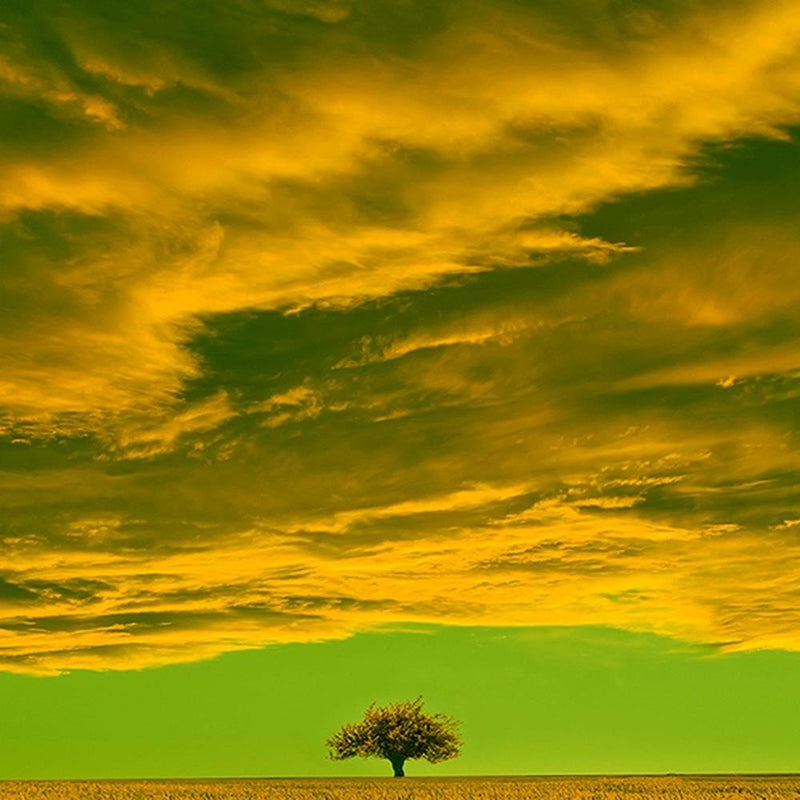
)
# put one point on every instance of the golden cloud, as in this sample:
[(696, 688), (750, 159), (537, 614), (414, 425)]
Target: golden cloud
[(558, 562), (522, 126), (344, 172)]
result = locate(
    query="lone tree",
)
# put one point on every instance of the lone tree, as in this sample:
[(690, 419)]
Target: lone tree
[(398, 732)]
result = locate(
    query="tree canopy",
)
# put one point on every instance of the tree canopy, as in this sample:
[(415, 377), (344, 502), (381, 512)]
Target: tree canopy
[(398, 732)]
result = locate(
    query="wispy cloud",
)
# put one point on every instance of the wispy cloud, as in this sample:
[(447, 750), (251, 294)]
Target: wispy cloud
[(557, 562), (319, 315)]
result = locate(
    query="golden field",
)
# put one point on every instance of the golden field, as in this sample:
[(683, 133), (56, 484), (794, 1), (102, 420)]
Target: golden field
[(524, 788)]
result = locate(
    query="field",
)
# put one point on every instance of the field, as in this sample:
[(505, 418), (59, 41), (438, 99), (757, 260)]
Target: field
[(523, 788)]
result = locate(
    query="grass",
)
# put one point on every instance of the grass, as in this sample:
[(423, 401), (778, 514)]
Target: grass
[(499, 788)]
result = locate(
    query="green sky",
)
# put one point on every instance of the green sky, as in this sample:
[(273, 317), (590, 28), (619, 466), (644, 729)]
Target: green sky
[(327, 322), (532, 700)]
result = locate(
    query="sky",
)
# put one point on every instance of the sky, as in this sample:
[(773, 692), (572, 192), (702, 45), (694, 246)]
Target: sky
[(454, 340)]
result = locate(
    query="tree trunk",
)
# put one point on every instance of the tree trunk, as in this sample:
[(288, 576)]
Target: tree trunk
[(397, 766)]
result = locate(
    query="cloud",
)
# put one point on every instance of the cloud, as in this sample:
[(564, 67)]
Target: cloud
[(297, 404), (38, 83), (331, 11), (146, 438), (318, 316), (463, 499), (330, 182), (556, 562)]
